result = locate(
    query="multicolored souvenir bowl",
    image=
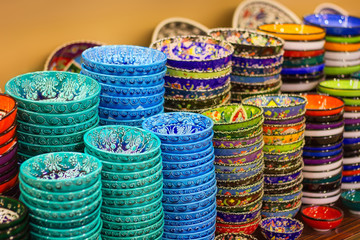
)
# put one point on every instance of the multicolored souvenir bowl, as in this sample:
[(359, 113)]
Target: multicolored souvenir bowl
[(8, 110), (222, 175), (278, 129), (224, 143), (61, 172), (284, 156), (351, 199), (249, 43), (230, 151), (275, 206), (240, 182), (295, 32), (240, 190), (257, 61), (241, 159), (195, 53), (238, 96), (54, 92), (284, 177), (278, 106), (290, 213), (286, 120), (238, 202), (121, 143), (253, 80), (223, 216), (232, 117), (176, 184), (257, 71), (284, 147), (18, 231), (335, 25), (231, 236), (246, 228), (303, 61), (236, 167), (340, 87), (14, 212), (255, 87), (281, 228), (284, 168), (284, 138), (240, 133), (288, 188), (277, 165), (322, 218), (142, 60)]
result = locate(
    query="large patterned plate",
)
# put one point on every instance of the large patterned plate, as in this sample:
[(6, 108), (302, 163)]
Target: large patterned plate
[(252, 13), (330, 8)]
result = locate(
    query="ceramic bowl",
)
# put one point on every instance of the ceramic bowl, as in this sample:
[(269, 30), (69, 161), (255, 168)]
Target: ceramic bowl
[(222, 175), (322, 174), (290, 213), (342, 47), (192, 147), (276, 196), (249, 43), (325, 119), (190, 182), (284, 177), (278, 106), (288, 167), (133, 123), (346, 56), (121, 143), (200, 75), (255, 87), (340, 87), (258, 71), (281, 227), (350, 198), (230, 236), (16, 231), (257, 61), (127, 81), (191, 84), (69, 92), (322, 218), (321, 194), (340, 72), (303, 70), (341, 63), (322, 154), (290, 136), (296, 32), (9, 154), (205, 234), (299, 87), (342, 39), (8, 135), (321, 200), (246, 228), (224, 143), (277, 165), (238, 201), (117, 62), (240, 133), (237, 97), (324, 126), (335, 25), (322, 105), (8, 110), (36, 149), (195, 53), (240, 150), (285, 147), (322, 187), (175, 157), (72, 171), (185, 229), (351, 101), (253, 80), (316, 161), (240, 190), (240, 182), (237, 167), (304, 61), (279, 129), (302, 54), (223, 216), (14, 212), (318, 141), (284, 156), (190, 216), (117, 91)]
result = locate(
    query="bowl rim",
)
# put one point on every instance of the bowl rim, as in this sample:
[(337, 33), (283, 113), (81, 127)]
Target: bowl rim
[(319, 29), (306, 19), (255, 202), (299, 191), (328, 97), (244, 146), (9, 129), (284, 125), (257, 134), (286, 168), (240, 130), (299, 169), (243, 179), (262, 222), (300, 131), (255, 221), (286, 210), (259, 163), (132, 97), (259, 182), (324, 206), (13, 109), (304, 102), (340, 80), (245, 154), (242, 213)]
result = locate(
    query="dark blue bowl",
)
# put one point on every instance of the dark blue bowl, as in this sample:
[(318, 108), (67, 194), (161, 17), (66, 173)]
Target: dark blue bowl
[(254, 61), (196, 84), (185, 229), (190, 206), (187, 164), (326, 153), (303, 70), (351, 167), (192, 147), (337, 25), (351, 179), (246, 79), (348, 141), (324, 147), (282, 178), (182, 157), (281, 228), (178, 223), (223, 216)]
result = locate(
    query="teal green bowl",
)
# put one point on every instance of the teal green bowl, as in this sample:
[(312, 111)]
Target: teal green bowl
[(151, 235), (35, 149), (16, 207), (240, 133), (146, 207), (351, 199), (340, 87), (117, 143), (65, 139), (61, 172), (64, 119), (54, 91), (282, 148)]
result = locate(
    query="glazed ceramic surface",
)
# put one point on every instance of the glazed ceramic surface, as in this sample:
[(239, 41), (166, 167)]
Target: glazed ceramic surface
[(193, 84), (321, 105), (281, 228), (297, 32), (322, 217), (8, 110), (340, 87)]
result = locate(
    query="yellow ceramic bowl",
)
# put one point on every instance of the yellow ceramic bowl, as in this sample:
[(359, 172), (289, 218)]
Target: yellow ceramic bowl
[(293, 32), (342, 47), (284, 138)]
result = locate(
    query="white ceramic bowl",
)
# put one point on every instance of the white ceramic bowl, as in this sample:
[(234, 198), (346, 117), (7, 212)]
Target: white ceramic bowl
[(322, 194), (341, 62), (352, 114), (352, 160), (352, 134), (320, 200), (324, 133), (350, 185), (323, 167), (323, 174), (342, 55), (304, 45), (299, 87)]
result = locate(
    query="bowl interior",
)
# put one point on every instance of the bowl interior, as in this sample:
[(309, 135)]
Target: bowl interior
[(291, 29), (322, 213), (275, 101), (283, 225), (352, 196), (341, 84), (232, 113), (322, 102)]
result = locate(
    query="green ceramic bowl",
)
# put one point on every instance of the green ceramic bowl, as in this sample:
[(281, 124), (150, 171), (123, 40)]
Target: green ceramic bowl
[(14, 212), (232, 117), (197, 75), (284, 147), (339, 39), (240, 133), (12, 232), (351, 101), (341, 70), (238, 96), (340, 87), (301, 62)]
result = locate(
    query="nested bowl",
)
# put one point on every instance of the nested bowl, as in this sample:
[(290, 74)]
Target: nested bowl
[(284, 177), (187, 224), (54, 92), (36, 149), (264, 71), (176, 157), (275, 206), (257, 61), (322, 187), (291, 213), (282, 168), (9, 154), (285, 147), (187, 164), (330, 126), (240, 182), (195, 53), (250, 131), (246, 227), (192, 147), (285, 189), (232, 117), (281, 227), (223, 216), (190, 206), (121, 143), (283, 156), (8, 165), (287, 137), (176, 184), (340, 87), (254, 87), (60, 119), (231, 236), (157, 235), (231, 151), (201, 235), (322, 218), (131, 91), (195, 84), (61, 172), (241, 190), (254, 80), (278, 129), (322, 105), (9, 133), (278, 106), (238, 203), (286, 120), (14, 212), (133, 123), (8, 110), (196, 189), (351, 198), (9, 173), (224, 143), (314, 154), (276, 164), (295, 193), (249, 43), (304, 70), (222, 175), (237, 97), (190, 216), (302, 61), (236, 167), (15, 232), (123, 60), (185, 229)]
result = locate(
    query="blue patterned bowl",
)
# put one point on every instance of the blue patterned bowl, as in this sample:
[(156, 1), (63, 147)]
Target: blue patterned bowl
[(117, 143), (257, 61), (149, 204), (132, 123), (283, 196), (190, 206), (283, 178), (192, 147), (190, 216), (204, 234), (241, 190), (221, 175), (131, 102), (61, 172), (190, 182), (185, 229), (195, 94), (257, 71), (248, 79), (290, 213), (130, 114), (156, 235), (53, 92), (196, 84), (49, 119), (238, 150), (123, 60), (179, 127), (281, 228), (223, 216), (237, 168), (278, 106), (178, 193), (123, 91), (173, 224), (141, 182), (176, 157), (187, 164), (130, 219)]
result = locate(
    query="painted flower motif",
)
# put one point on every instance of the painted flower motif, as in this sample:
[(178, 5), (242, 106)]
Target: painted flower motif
[(176, 86), (268, 113)]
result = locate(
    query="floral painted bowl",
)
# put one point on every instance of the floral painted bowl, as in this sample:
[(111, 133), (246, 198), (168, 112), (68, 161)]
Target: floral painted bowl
[(288, 167), (123, 60), (284, 138), (283, 178), (295, 32), (282, 227), (175, 157), (121, 143), (239, 150), (232, 117), (284, 156), (238, 201), (257, 61), (221, 175), (258, 71), (61, 172), (240, 133), (14, 212), (286, 189), (239, 182), (290, 213), (197, 94), (241, 159), (249, 43), (255, 87), (237, 236), (276, 195), (247, 207), (276, 165), (236, 167), (278, 106), (286, 120), (8, 110), (275, 206), (278, 129), (223, 216), (54, 92), (224, 143), (191, 84), (240, 190), (246, 228), (238, 96), (253, 80), (322, 218), (340, 87), (285, 147)]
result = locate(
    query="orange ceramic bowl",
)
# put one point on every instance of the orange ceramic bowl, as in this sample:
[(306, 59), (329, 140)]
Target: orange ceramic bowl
[(322, 105), (342, 47), (276, 129), (8, 109), (7, 145), (294, 32), (7, 134), (352, 108)]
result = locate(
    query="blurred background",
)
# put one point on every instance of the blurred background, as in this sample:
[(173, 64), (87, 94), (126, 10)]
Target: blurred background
[(31, 30)]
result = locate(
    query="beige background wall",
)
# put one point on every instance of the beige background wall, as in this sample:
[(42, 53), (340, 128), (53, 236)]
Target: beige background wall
[(32, 29)]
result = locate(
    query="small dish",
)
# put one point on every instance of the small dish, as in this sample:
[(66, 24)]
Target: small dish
[(341, 71), (322, 105), (350, 199), (291, 213), (341, 87), (246, 228), (282, 227), (8, 109), (14, 212), (322, 218)]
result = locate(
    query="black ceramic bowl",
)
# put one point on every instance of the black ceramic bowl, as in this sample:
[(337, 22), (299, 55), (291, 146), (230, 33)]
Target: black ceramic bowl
[(324, 119), (241, 182), (352, 147), (286, 189), (322, 187), (352, 127), (349, 154), (320, 141)]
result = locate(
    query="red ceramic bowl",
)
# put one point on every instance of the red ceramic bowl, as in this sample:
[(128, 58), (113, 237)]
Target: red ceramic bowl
[(7, 145), (351, 173), (322, 105), (247, 228), (8, 184), (8, 133), (312, 53), (322, 218), (8, 109)]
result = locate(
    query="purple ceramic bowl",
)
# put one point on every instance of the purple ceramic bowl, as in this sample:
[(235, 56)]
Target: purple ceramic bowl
[(9, 174), (297, 119), (240, 159), (283, 156), (196, 84), (324, 160), (237, 142), (282, 178), (349, 121), (8, 165), (8, 155), (324, 126), (223, 216)]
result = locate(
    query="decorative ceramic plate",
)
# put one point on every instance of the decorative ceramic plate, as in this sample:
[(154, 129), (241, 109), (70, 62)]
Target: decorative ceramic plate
[(252, 13), (172, 27), (68, 56), (330, 8)]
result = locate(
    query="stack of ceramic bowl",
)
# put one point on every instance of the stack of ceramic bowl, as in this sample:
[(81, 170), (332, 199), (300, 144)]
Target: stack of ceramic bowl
[(8, 146), (303, 66), (323, 150), (55, 109), (15, 219), (256, 62), (189, 198), (198, 72), (63, 193), (239, 166), (131, 181), (131, 79), (342, 56), (349, 91), (284, 129)]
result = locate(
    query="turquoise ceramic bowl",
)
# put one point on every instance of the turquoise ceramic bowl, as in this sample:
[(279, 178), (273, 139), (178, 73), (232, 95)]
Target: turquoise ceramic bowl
[(15, 207), (54, 92), (61, 172), (57, 130), (35, 149), (351, 199), (132, 210), (117, 143), (63, 119), (157, 233)]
